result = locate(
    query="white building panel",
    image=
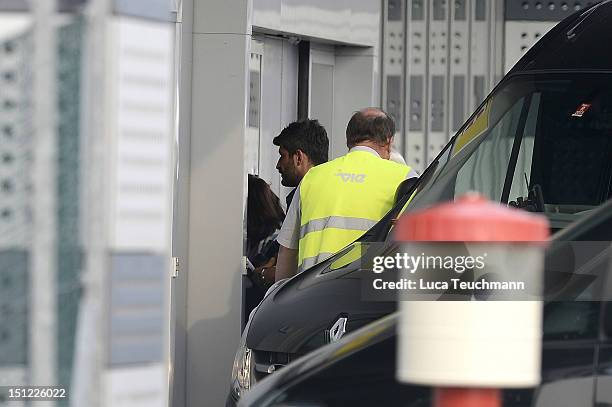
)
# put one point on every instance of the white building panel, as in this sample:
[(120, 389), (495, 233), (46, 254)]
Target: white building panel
[(448, 66), (520, 36), (139, 386), (141, 124), (14, 24), (350, 21)]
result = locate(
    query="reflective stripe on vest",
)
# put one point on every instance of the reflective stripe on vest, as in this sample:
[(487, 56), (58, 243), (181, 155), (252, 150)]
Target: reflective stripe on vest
[(341, 199), (311, 261), (338, 222)]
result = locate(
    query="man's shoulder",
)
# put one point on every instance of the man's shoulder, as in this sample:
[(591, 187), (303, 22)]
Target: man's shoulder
[(289, 197), (397, 166), (393, 166), (323, 167)]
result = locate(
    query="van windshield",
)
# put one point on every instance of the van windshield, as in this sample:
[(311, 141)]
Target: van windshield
[(542, 142)]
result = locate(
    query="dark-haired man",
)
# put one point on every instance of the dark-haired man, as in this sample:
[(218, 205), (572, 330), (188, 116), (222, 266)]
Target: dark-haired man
[(338, 201), (301, 145)]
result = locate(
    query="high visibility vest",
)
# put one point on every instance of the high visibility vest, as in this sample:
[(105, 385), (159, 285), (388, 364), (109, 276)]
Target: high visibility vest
[(342, 199)]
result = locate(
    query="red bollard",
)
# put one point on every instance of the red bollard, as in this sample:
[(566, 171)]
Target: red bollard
[(467, 397), (468, 350)]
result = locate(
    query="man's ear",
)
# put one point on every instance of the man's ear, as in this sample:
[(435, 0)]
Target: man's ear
[(387, 148), (390, 144), (300, 157)]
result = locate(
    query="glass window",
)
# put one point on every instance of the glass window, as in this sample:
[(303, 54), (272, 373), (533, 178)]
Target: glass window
[(485, 169), (542, 142), (571, 320), (522, 171)]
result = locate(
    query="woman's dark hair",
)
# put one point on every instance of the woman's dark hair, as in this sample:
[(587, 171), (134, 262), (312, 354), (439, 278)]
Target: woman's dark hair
[(264, 212)]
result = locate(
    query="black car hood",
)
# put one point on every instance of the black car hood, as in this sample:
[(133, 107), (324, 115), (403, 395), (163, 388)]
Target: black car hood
[(293, 319)]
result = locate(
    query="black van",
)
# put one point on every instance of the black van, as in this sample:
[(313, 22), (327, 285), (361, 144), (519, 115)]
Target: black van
[(541, 141), (359, 370)]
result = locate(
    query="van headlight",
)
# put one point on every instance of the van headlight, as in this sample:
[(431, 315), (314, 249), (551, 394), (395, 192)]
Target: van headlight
[(243, 377), (242, 371)]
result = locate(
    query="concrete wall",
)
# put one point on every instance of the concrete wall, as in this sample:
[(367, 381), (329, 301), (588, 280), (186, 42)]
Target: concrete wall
[(353, 65), (214, 103)]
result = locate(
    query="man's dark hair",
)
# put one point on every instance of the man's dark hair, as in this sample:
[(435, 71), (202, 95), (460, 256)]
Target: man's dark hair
[(378, 128), (306, 135)]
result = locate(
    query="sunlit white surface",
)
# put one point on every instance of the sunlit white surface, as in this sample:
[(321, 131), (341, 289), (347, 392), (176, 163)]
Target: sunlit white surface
[(351, 22), (142, 386), (13, 24), (141, 122)]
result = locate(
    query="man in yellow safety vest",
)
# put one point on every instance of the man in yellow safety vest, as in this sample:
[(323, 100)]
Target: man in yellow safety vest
[(338, 201)]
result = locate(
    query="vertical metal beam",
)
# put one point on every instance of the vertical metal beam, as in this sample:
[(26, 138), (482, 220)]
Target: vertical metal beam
[(43, 290), (416, 109), (383, 44), (221, 41), (458, 64), (91, 335), (303, 79), (497, 53), (404, 91), (393, 60), (180, 217), (180, 212)]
